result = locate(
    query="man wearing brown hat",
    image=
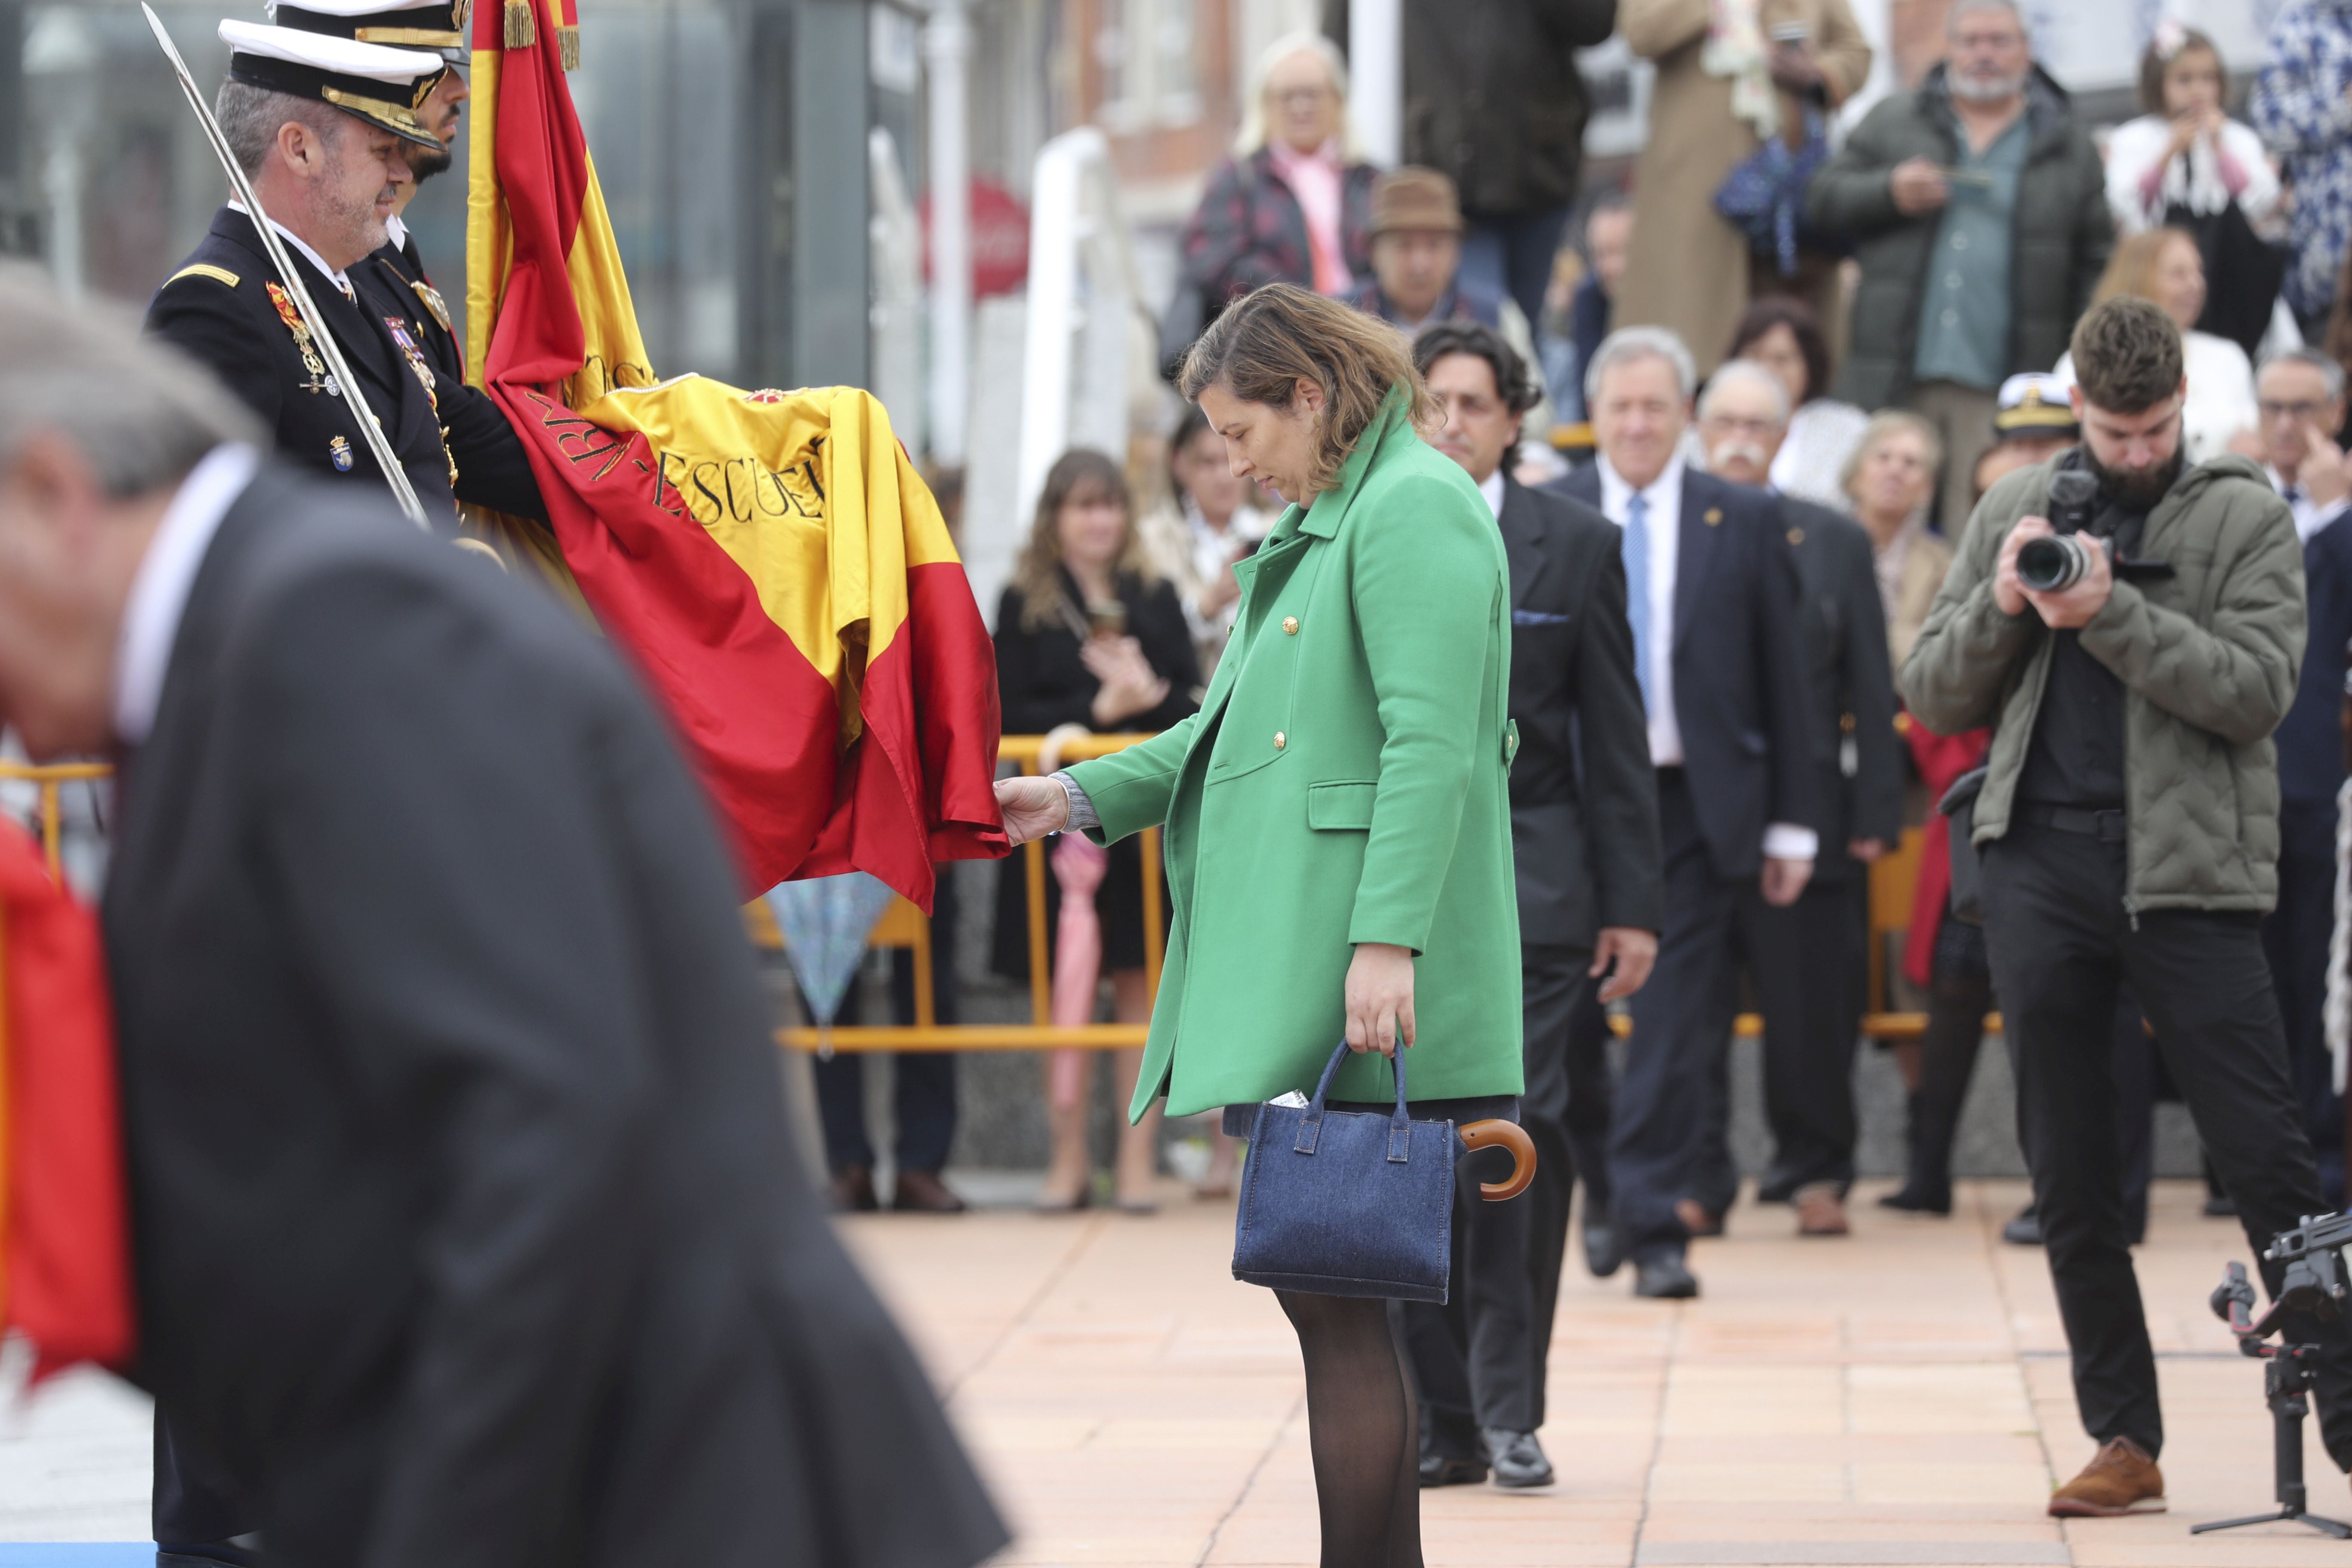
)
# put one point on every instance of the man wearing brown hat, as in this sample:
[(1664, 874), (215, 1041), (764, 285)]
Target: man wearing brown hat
[(1416, 245)]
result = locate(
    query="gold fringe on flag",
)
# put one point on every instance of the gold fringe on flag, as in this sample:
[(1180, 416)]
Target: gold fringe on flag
[(567, 39), (522, 25)]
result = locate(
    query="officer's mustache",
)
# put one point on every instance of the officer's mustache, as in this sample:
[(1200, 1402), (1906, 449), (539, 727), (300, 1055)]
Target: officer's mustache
[(1731, 453)]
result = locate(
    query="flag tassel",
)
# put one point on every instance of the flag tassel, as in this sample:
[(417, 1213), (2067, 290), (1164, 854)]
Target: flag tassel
[(567, 39), (522, 25)]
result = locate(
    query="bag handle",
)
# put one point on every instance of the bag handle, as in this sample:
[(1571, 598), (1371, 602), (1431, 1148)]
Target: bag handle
[(1400, 1125)]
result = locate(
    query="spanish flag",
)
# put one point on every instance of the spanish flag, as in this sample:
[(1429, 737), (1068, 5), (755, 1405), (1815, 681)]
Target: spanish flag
[(771, 559), (64, 1250)]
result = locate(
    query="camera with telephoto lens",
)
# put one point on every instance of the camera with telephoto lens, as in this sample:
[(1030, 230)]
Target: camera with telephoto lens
[(2054, 564)]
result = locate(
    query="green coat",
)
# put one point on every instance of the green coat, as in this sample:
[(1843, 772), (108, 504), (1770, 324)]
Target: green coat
[(1344, 781)]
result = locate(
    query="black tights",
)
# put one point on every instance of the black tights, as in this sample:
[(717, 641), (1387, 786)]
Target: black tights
[(1362, 1428)]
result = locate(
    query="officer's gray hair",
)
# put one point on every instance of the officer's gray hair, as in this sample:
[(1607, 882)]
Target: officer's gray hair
[(1754, 375), (1627, 345), (1962, 7), (250, 116), (138, 411), (2331, 375)]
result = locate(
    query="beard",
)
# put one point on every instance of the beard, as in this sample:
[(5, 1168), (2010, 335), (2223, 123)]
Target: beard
[(2138, 488), (423, 165), (1985, 89)]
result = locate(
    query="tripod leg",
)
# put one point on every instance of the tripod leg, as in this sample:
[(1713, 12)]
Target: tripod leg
[(2287, 1411), (2276, 1518)]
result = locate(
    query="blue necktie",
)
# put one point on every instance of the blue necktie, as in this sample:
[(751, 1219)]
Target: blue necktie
[(1637, 545)]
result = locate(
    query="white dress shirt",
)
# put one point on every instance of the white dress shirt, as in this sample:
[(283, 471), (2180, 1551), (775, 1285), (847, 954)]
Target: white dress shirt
[(2310, 517), (1491, 487), (159, 590), (339, 280), (1782, 840)]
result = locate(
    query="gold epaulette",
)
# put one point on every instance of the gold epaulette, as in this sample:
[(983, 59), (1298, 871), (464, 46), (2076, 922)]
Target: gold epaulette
[(203, 269)]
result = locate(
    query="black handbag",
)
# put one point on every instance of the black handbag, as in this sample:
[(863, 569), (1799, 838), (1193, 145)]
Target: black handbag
[(1354, 1203), (1959, 808)]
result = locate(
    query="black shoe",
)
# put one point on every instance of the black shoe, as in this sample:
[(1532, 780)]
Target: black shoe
[(1437, 1471), (1602, 1254), (853, 1191), (2220, 1205), (2025, 1230), (1519, 1458), (1777, 1187), (1910, 1201), (1663, 1278)]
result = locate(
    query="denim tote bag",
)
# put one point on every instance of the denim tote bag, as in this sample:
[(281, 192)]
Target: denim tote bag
[(1347, 1202)]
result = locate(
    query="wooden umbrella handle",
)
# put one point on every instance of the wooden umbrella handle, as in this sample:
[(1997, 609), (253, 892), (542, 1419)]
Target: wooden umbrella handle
[(1500, 1135)]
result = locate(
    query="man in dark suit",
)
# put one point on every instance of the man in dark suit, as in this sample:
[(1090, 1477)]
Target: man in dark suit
[(467, 1228), (1711, 591), (328, 172), (1584, 841), (1808, 962)]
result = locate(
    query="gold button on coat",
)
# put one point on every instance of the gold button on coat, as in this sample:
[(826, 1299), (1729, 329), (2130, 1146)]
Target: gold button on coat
[(1278, 740), (1290, 625)]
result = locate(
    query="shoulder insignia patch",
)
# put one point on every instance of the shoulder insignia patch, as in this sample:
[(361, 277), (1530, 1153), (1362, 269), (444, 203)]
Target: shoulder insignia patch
[(434, 303), (203, 269)]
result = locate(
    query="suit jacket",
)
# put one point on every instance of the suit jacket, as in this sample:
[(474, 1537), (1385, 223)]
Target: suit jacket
[(468, 1228), (1851, 685), (1584, 800), (2311, 737), (217, 308), (1741, 696)]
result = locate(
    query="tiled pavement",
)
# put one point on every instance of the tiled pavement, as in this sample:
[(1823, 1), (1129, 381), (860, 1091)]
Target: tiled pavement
[(1899, 1397)]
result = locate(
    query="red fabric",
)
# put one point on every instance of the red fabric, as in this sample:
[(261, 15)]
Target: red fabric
[(1941, 759), (68, 1257)]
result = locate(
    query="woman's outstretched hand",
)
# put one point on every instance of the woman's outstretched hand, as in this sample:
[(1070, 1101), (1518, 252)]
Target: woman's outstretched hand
[(1032, 808), (1380, 997)]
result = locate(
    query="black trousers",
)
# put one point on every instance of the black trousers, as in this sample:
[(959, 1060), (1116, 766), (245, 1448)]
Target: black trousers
[(924, 1082), (192, 1507), (2295, 937), (1657, 1131), (1807, 964), (2061, 944), (1479, 1359)]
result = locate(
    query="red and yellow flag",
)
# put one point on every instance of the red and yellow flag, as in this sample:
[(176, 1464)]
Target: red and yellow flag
[(64, 1250), (771, 559)]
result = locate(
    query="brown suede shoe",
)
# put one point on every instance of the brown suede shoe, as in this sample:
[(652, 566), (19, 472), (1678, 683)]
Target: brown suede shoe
[(922, 1192), (1819, 1210), (2120, 1479)]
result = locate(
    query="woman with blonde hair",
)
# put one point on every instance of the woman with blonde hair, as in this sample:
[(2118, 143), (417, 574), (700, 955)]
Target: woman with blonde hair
[(2164, 265), (1338, 823), (1293, 204), (1889, 480), (1089, 636)]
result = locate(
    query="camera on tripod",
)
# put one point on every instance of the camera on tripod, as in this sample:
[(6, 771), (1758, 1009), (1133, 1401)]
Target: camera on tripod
[(2058, 561), (2312, 1281)]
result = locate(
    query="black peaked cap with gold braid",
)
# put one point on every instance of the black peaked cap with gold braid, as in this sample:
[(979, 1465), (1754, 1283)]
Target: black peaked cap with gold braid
[(385, 87), (439, 26)]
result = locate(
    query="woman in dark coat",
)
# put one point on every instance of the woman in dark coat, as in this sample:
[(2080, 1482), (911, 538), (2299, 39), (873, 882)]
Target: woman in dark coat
[(1088, 634)]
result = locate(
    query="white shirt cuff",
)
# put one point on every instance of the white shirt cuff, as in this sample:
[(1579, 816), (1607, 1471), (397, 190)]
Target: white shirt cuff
[(1787, 841)]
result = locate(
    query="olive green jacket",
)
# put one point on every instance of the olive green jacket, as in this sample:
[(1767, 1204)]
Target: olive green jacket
[(2208, 659), (1344, 781)]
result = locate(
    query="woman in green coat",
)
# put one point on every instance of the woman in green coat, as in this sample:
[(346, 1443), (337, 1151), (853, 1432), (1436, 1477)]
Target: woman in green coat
[(1337, 826)]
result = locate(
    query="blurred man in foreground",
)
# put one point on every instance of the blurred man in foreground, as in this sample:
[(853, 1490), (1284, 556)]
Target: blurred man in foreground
[(467, 1229)]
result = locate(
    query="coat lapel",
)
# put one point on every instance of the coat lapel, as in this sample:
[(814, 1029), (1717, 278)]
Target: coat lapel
[(1522, 540), (367, 347), (1700, 529)]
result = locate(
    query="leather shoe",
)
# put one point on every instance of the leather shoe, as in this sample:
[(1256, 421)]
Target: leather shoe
[(2220, 1205), (1603, 1253), (2025, 1230), (1663, 1278), (1910, 1200), (922, 1192), (1697, 1218), (2120, 1479), (1437, 1471), (1820, 1210), (1519, 1458), (853, 1191)]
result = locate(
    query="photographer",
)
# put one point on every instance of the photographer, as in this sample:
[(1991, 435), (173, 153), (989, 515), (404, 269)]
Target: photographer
[(2128, 824)]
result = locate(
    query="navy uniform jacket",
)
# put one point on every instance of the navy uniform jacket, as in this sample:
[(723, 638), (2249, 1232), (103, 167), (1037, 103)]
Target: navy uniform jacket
[(1853, 682), (400, 269), (218, 310), (2311, 737)]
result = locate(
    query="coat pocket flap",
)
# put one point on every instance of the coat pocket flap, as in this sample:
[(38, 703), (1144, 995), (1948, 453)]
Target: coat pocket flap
[(1340, 804)]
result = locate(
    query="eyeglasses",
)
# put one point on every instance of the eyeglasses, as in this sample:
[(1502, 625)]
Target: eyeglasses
[(1301, 97), (2298, 411)]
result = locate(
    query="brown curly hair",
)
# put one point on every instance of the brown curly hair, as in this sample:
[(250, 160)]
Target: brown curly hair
[(1266, 341), (2126, 355)]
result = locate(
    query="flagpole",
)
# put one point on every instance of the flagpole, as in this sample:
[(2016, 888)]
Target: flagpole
[(370, 430)]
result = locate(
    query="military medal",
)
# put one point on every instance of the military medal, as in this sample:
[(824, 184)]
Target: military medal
[(339, 452), (400, 335), (434, 303), (319, 380)]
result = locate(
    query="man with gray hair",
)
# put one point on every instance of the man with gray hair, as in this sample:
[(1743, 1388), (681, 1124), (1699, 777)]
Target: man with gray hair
[(1712, 593), (1808, 961), (1977, 207), (324, 127), (467, 1228)]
